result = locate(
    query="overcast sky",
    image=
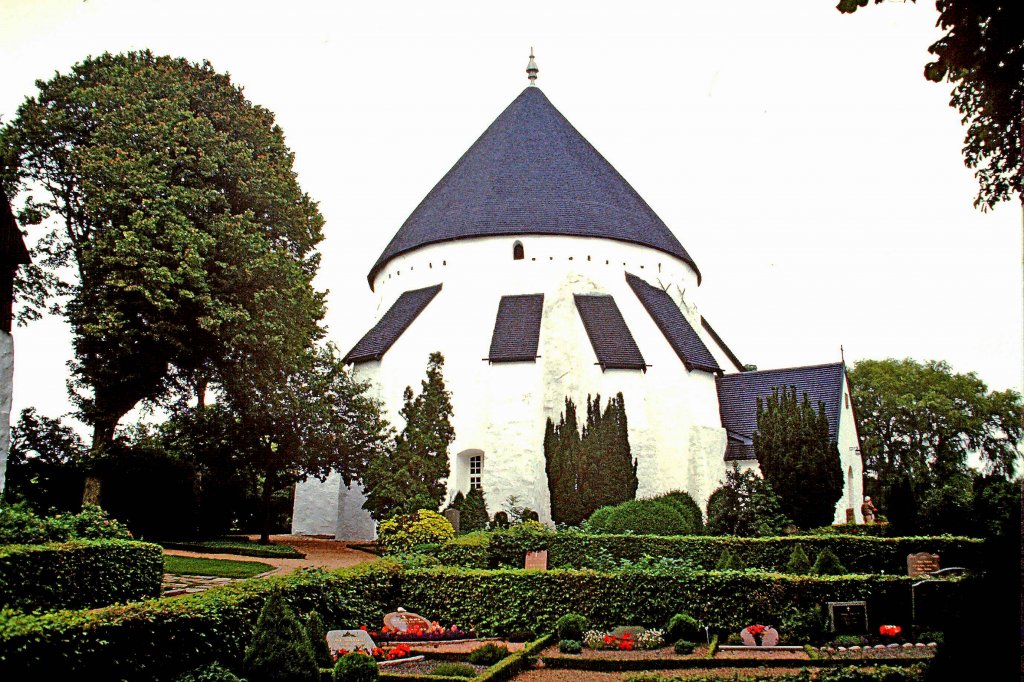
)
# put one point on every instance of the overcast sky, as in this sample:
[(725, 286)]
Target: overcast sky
[(798, 154)]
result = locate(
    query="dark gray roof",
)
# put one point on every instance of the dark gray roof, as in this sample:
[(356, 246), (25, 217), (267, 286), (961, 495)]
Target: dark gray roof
[(531, 172), (721, 344), (395, 321), (517, 328), (738, 394), (674, 325), (609, 335)]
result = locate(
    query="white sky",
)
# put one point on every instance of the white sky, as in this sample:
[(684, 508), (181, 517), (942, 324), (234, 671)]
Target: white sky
[(798, 154)]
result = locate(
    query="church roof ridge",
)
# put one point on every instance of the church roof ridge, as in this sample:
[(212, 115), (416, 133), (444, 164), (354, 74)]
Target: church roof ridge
[(532, 173)]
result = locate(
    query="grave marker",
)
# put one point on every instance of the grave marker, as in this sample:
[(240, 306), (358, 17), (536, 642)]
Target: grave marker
[(350, 640), (921, 563), (848, 617), (537, 561), (453, 517)]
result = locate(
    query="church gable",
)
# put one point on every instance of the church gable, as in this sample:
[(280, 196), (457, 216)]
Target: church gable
[(392, 325)]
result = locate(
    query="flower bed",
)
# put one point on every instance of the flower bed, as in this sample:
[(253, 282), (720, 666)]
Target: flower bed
[(415, 633)]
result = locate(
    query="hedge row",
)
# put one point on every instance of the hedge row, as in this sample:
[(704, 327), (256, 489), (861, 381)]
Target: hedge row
[(80, 574), (163, 638), (579, 550), (160, 639)]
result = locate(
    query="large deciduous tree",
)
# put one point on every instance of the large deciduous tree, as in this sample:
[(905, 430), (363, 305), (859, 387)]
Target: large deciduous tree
[(798, 457), (919, 423), (174, 235), (982, 54), (414, 474)]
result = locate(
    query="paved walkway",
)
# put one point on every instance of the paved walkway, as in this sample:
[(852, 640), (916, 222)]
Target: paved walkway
[(320, 553)]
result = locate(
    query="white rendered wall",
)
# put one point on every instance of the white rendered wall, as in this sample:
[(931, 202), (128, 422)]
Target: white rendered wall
[(853, 465), (500, 409), (6, 389)]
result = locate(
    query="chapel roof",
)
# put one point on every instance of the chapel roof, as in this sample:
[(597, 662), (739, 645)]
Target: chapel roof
[(376, 342), (738, 394), (532, 173)]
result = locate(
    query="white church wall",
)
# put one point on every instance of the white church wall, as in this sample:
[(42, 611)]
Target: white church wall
[(500, 409), (853, 465), (6, 390)]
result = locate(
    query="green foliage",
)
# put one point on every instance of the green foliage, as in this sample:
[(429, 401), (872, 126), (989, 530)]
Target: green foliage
[(682, 626), (51, 478), (508, 546), (671, 514), (317, 632), (828, 563), (214, 672), (803, 626), (78, 574), (413, 476), (236, 545), (404, 531), (687, 506), (571, 626), (799, 563), (683, 647), (918, 422), (798, 458), (280, 649), (454, 670), (20, 525), (356, 667), (570, 646), (746, 506), (488, 654), (589, 470), (730, 561), (472, 510), (223, 568)]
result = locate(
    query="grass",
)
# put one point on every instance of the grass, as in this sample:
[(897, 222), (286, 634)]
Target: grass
[(243, 546), (218, 568)]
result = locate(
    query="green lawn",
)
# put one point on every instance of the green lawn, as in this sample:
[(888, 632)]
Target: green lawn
[(243, 546), (219, 568)]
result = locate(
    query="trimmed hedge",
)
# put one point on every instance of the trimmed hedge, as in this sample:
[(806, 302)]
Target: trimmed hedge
[(80, 574), (573, 549)]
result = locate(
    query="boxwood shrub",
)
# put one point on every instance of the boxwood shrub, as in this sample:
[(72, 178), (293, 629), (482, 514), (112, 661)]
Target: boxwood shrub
[(79, 574)]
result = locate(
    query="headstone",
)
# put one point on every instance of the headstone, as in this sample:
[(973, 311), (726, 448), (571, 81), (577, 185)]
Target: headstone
[(763, 636), (453, 517), (350, 640), (850, 518), (531, 515), (770, 637), (921, 563), (848, 617), (537, 561), (632, 630), (404, 621), (747, 637)]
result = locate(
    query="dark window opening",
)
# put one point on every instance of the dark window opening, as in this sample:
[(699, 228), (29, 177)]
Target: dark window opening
[(517, 251)]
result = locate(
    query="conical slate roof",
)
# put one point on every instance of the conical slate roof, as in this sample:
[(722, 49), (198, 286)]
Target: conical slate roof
[(531, 172)]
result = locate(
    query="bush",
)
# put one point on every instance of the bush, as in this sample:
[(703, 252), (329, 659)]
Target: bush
[(507, 547), (684, 647), (356, 667), (802, 626), (454, 670), (570, 646), (488, 654), (469, 551), (214, 672), (20, 525), (827, 563), (571, 626), (730, 561), (688, 507), (682, 626), (280, 650), (318, 640), (645, 517), (518, 636), (799, 563), (402, 532), (81, 574)]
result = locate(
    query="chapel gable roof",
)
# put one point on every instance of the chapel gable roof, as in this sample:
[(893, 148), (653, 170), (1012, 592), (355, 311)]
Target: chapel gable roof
[(674, 325), (738, 394), (516, 333), (613, 343), (532, 172), (392, 325)]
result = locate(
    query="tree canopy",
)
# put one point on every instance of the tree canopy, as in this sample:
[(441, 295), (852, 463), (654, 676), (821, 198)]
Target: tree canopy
[(745, 505), (982, 54), (798, 457)]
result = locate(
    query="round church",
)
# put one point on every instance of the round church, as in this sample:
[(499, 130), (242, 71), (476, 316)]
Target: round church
[(540, 274)]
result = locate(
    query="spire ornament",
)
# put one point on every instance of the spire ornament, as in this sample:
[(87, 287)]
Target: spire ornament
[(532, 70)]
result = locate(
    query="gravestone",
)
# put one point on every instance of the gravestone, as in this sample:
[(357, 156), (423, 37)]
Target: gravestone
[(633, 631), (537, 561), (921, 563), (848, 617), (770, 637), (747, 638), (350, 640), (403, 621), (453, 517), (850, 518)]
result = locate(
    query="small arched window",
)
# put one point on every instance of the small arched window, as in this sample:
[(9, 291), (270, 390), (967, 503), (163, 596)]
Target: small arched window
[(517, 251)]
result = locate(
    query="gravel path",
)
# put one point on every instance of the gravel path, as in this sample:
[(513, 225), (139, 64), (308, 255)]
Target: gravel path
[(320, 553)]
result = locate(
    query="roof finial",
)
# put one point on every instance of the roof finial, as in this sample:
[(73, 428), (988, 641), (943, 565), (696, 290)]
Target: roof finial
[(532, 70)]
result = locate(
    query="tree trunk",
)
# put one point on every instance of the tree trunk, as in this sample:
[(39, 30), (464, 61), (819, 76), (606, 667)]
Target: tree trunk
[(102, 439)]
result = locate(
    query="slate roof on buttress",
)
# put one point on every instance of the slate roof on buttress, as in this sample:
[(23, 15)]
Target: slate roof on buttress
[(392, 325), (532, 172), (613, 343), (517, 328)]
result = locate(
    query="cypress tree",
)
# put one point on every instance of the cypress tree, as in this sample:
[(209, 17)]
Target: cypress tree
[(561, 455), (799, 563), (280, 650), (318, 640), (473, 512)]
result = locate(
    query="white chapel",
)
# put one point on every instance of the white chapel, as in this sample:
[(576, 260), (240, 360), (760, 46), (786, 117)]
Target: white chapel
[(540, 273)]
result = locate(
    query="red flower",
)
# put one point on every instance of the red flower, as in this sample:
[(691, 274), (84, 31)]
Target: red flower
[(890, 630), (756, 629), (363, 628)]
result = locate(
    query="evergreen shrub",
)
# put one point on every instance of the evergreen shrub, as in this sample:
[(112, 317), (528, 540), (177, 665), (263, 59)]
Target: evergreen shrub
[(317, 633), (571, 626), (683, 647), (570, 646), (828, 563), (799, 563), (214, 672), (688, 507), (454, 670), (519, 636), (280, 650), (682, 626), (402, 532), (356, 667), (488, 654)]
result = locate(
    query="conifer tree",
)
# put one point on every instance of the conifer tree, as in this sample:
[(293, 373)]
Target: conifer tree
[(798, 458), (414, 476), (318, 639), (799, 563), (473, 512), (561, 456), (280, 650)]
